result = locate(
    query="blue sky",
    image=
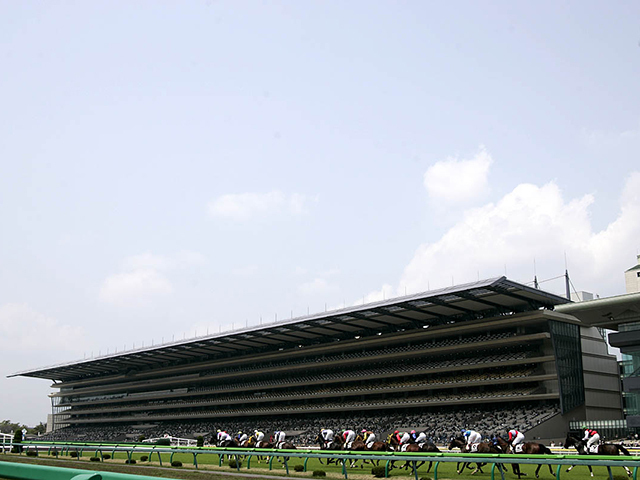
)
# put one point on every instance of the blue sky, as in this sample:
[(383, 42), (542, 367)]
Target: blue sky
[(172, 167)]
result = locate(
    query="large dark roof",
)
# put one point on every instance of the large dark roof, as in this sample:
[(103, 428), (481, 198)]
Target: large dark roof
[(496, 296)]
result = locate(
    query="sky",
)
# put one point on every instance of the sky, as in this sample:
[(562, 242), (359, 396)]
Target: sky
[(169, 169)]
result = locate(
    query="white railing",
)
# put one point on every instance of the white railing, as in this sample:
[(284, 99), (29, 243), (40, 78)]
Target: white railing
[(6, 440), (187, 442)]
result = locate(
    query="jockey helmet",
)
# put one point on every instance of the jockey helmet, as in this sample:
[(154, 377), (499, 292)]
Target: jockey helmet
[(364, 430), (464, 430), (240, 433), (396, 431), (413, 431), (583, 426)]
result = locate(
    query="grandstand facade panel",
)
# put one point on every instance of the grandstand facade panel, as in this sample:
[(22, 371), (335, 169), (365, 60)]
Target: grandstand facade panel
[(489, 352)]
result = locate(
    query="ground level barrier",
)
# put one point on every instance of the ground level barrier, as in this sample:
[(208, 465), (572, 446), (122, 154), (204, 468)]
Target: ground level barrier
[(495, 460)]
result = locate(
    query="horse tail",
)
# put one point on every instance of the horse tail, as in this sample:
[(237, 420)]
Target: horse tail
[(623, 450)]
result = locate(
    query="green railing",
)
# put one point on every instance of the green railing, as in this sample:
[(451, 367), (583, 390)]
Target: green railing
[(26, 471), (496, 460)]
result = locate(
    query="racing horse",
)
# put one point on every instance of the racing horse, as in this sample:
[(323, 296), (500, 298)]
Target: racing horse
[(252, 443), (602, 449), (335, 444), (528, 448), (426, 447), (483, 447), (357, 445)]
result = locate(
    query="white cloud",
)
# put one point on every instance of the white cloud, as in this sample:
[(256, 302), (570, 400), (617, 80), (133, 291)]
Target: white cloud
[(145, 277), (610, 139), (181, 259), (243, 206), (387, 291), (137, 286), (320, 284), (23, 329), (532, 222), (456, 182), (316, 286)]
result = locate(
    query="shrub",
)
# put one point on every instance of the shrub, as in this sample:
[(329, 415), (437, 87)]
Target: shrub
[(144, 458), (234, 464), (200, 441), (299, 468), (163, 441), (319, 473), (176, 463), (73, 454), (130, 462), (378, 472), (106, 456), (32, 453), (94, 459), (17, 438)]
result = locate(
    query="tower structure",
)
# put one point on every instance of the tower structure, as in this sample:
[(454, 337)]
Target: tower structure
[(632, 278)]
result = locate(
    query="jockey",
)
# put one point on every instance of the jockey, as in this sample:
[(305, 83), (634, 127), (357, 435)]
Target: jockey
[(515, 437), (368, 437), (591, 437), (279, 436), (413, 436), (219, 435), (404, 438), (242, 437), (421, 438), (472, 437), (397, 436), (259, 437), (327, 436), (348, 436), (223, 437)]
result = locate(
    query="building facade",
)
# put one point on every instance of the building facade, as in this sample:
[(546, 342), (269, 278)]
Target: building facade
[(493, 353)]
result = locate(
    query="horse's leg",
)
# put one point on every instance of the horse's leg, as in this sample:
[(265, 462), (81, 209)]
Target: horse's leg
[(590, 470), (429, 467), (551, 470)]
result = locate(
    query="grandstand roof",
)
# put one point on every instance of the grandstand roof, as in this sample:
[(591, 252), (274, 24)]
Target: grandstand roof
[(610, 312), (485, 298)]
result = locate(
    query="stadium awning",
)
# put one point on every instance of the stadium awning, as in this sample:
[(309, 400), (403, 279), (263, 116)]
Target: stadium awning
[(482, 299), (608, 312)]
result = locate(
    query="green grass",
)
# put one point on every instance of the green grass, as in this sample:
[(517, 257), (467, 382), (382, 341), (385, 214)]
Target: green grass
[(209, 463)]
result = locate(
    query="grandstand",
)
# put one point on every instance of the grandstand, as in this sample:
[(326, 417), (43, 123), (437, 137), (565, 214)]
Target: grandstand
[(491, 354)]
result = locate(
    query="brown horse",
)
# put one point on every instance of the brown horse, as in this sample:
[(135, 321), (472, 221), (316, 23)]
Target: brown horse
[(426, 447), (356, 446), (335, 444), (603, 449), (483, 447), (528, 448)]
